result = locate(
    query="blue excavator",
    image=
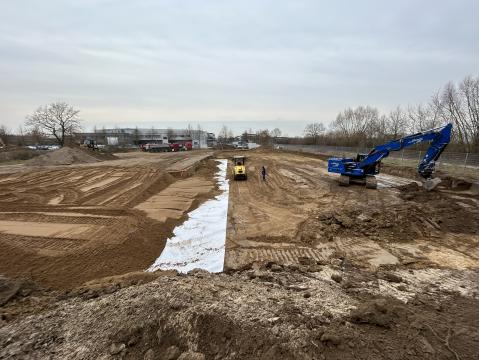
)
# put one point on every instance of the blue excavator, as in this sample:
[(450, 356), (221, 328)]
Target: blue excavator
[(364, 167)]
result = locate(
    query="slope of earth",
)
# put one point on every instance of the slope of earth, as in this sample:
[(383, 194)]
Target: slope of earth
[(61, 226), (64, 156), (271, 312)]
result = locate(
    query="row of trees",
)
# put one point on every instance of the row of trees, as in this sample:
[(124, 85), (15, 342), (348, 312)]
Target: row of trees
[(262, 137), (365, 126)]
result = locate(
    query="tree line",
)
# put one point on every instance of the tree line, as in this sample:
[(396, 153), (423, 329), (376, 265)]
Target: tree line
[(261, 137), (365, 126)]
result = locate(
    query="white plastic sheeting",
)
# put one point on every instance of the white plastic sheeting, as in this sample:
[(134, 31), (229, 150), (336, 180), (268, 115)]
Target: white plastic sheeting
[(200, 241)]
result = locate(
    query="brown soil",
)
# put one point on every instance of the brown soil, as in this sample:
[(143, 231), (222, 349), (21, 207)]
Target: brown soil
[(272, 312), (62, 227), (302, 211), (313, 270), (63, 156)]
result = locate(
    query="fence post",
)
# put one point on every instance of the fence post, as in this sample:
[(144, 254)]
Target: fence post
[(419, 158), (465, 161), (402, 157)]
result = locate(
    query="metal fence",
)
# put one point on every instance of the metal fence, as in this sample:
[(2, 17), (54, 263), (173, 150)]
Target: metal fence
[(450, 161)]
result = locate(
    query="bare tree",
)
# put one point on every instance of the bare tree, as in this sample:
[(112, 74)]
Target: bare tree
[(21, 136), (3, 136), (263, 137), (424, 117), (469, 89), (397, 123), (314, 130), (357, 125), (223, 136), (276, 132), (36, 136), (460, 105), (59, 120)]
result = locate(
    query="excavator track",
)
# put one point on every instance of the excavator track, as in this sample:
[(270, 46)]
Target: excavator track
[(344, 180), (371, 182)]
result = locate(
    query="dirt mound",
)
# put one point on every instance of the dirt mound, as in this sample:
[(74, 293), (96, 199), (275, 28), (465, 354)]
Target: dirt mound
[(402, 223), (423, 215), (285, 315), (63, 156)]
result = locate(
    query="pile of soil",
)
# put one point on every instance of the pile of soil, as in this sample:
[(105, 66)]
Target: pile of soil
[(401, 223), (14, 154), (63, 156), (275, 313), (422, 215)]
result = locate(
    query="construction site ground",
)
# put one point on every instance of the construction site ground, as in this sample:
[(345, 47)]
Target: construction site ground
[(63, 225), (312, 270)]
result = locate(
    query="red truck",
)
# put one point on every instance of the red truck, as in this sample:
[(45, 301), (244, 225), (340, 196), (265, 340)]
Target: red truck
[(156, 147)]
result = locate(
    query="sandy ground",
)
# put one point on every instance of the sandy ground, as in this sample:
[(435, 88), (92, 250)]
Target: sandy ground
[(300, 211), (313, 270), (61, 226)]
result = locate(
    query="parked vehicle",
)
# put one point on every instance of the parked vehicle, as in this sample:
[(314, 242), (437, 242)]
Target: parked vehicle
[(156, 148)]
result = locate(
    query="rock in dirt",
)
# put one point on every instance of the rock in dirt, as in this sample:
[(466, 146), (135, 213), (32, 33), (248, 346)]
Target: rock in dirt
[(427, 347), (276, 268), (377, 312), (116, 348), (331, 338), (171, 353), (391, 277), (191, 355), (149, 355), (336, 277)]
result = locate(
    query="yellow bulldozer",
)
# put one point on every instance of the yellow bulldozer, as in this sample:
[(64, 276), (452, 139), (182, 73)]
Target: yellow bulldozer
[(239, 169)]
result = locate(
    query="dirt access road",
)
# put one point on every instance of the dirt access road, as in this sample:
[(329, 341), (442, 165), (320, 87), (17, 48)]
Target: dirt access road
[(63, 225)]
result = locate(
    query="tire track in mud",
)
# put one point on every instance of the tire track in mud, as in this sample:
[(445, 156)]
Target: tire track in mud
[(267, 220), (82, 222), (263, 211)]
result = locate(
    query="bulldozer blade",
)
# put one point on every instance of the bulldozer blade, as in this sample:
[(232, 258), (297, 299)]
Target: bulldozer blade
[(430, 184)]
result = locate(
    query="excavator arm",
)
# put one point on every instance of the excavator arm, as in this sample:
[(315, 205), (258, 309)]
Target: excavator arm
[(367, 165), (439, 138)]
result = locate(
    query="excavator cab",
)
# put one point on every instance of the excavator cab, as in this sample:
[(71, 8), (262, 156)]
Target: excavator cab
[(239, 168)]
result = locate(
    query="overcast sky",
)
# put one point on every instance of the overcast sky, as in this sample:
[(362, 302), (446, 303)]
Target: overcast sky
[(244, 63)]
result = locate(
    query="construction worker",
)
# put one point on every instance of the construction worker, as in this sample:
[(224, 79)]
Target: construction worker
[(263, 173)]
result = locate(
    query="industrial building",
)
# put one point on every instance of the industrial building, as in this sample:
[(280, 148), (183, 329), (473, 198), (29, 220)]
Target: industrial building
[(199, 139)]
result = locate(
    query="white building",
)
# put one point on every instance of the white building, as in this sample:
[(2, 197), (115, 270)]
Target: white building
[(136, 136)]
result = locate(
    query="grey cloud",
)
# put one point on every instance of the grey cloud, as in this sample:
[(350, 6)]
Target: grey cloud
[(233, 60)]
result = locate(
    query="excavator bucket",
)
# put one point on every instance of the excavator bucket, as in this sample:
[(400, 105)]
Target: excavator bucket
[(430, 184)]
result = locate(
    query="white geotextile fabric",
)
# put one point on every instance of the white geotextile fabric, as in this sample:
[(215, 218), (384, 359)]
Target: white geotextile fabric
[(200, 241)]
